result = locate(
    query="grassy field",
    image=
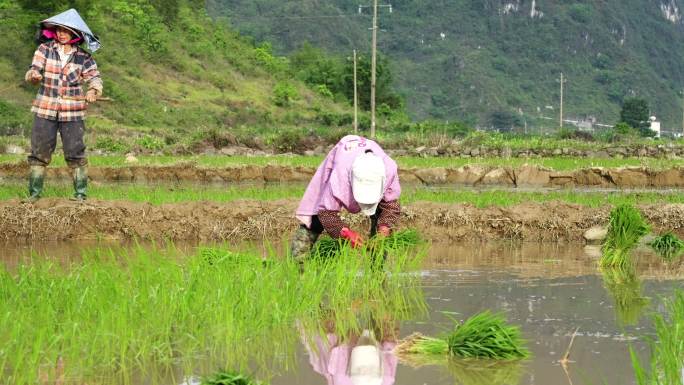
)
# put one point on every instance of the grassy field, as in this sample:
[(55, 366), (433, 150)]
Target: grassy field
[(161, 194), (556, 163)]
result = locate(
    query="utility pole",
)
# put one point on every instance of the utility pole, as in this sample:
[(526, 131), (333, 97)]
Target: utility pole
[(562, 80), (356, 100), (374, 49), (373, 65), (682, 113)]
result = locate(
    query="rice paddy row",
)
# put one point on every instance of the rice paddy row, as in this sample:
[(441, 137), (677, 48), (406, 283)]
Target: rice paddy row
[(172, 193), (114, 313), (555, 163)]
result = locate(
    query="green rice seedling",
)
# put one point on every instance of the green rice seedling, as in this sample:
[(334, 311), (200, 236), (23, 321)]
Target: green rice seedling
[(484, 335), (229, 378), (555, 163), (353, 269), (625, 228), (163, 193), (668, 246), (113, 314), (398, 241), (667, 350), (624, 286)]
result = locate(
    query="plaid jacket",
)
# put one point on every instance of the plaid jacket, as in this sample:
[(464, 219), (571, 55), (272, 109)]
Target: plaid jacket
[(59, 82)]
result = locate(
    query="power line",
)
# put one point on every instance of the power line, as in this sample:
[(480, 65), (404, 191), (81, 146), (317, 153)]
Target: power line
[(295, 17)]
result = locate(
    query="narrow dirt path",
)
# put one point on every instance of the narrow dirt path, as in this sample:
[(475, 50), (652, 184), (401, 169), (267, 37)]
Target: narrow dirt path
[(469, 175), (59, 219)]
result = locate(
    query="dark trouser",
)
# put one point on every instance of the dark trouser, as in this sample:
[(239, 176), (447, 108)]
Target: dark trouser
[(44, 141)]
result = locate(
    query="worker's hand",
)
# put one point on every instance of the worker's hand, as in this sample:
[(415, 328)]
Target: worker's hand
[(33, 76), (353, 237), (384, 231), (91, 96)]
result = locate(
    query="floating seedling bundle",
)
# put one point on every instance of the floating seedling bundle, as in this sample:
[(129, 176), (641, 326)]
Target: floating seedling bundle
[(625, 229), (668, 246), (229, 378), (484, 335)]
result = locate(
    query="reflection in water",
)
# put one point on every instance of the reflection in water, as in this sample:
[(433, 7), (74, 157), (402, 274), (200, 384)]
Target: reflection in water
[(624, 286), (355, 359), (472, 371)]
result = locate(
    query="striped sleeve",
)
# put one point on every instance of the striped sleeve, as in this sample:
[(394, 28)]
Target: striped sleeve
[(389, 216)]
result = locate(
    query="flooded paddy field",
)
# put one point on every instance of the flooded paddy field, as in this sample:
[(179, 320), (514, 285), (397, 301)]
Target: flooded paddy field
[(551, 290)]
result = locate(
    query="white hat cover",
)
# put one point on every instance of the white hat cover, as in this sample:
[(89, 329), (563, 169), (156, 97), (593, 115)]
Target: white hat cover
[(368, 181), (365, 367)]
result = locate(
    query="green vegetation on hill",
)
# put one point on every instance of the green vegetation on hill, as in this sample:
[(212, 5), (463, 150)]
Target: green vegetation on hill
[(496, 63), (176, 76)]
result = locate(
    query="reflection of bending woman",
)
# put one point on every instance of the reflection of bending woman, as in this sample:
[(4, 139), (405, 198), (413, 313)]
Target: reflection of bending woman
[(359, 360)]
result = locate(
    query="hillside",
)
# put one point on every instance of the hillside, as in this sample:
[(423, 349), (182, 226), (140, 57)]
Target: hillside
[(496, 62), (177, 78)]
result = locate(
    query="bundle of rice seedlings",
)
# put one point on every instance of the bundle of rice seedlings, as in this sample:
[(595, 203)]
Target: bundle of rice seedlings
[(228, 378), (625, 229), (327, 247), (484, 335), (668, 246)]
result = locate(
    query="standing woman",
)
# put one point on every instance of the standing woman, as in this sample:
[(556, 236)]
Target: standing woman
[(62, 67)]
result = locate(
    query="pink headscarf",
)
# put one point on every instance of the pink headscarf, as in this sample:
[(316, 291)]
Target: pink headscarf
[(51, 34)]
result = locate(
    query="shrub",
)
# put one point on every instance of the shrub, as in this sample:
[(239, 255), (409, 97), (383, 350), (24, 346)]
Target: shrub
[(288, 140), (323, 90), (151, 143), (284, 93), (111, 145), (13, 120)]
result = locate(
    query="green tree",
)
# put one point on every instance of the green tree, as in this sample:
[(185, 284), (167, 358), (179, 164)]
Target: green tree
[(168, 9), (384, 93), (635, 113), (504, 120), (52, 6), (316, 68)]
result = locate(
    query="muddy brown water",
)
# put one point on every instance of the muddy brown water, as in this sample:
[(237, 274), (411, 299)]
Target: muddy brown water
[(549, 289)]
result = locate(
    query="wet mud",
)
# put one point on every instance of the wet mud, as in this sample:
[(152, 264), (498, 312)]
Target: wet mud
[(469, 175), (57, 219)]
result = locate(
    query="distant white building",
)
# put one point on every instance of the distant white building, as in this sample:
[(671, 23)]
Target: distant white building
[(655, 126)]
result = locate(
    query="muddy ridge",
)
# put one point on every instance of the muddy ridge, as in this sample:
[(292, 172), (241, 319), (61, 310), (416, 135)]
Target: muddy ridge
[(469, 175), (59, 219)]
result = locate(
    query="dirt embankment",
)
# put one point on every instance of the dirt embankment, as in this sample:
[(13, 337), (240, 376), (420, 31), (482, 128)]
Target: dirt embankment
[(59, 219), (469, 175)]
